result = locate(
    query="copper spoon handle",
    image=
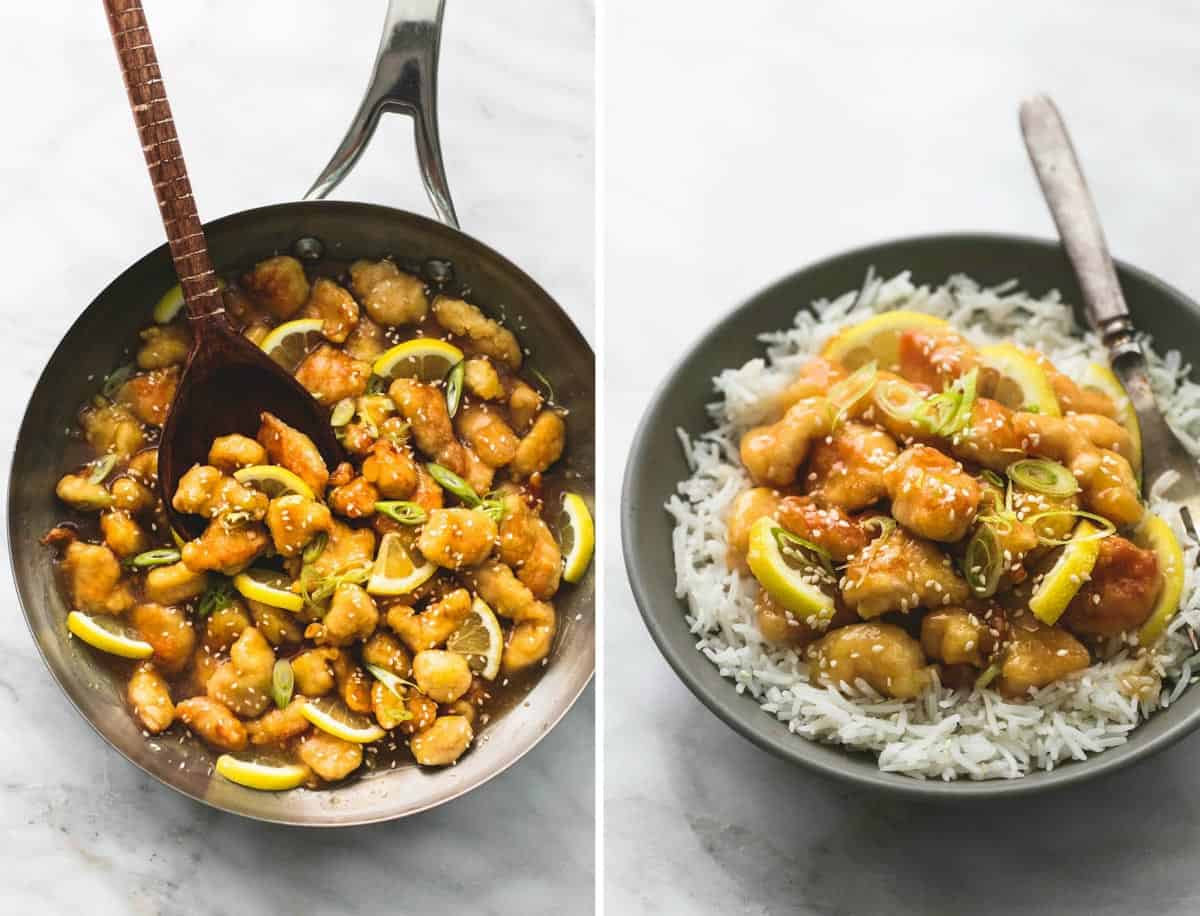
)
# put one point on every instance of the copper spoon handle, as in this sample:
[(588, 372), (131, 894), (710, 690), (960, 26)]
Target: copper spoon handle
[(164, 158)]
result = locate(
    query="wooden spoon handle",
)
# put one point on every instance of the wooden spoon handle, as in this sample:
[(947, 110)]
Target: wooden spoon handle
[(164, 158)]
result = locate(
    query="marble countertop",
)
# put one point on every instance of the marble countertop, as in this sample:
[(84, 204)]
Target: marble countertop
[(742, 145), (262, 93)]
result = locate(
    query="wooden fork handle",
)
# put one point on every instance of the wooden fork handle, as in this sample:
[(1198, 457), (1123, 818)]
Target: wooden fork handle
[(164, 158)]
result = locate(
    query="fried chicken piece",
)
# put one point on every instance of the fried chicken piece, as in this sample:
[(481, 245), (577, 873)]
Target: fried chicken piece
[(1121, 592), (366, 341), (541, 446), (313, 671), (883, 655), (391, 469), (243, 684), (277, 625), (773, 454), (150, 698), (81, 494), (900, 572), (329, 757), (383, 650), (487, 433), (122, 534), (226, 548), (424, 408), (293, 450), (213, 722), (486, 335), (112, 429), (352, 617), (935, 358), (781, 626), (1073, 399), (224, 626), (278, 726), (278, 285), (353, 685), (335, 307), (229, 453), (528, 546), (175, 584), (130, 493), (365, 274), (397, 300), (747, 508), (481, 379), (931, 494), (93, 576), (204, 490), (1105, 433), (433, 626), (535, 622), (836, 531), (1036, 655), (149, 394), (355, 499), (442, 676), (457, 538), (814, 379), (329, 375), (443, 742), (167, 628), (990, 437), (163, 345), (347, 548), (524, 404), (428, 494), (956, 636), (846, 467), (294, 520)]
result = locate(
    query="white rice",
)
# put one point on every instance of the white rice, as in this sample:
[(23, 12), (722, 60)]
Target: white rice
[(944, 733)]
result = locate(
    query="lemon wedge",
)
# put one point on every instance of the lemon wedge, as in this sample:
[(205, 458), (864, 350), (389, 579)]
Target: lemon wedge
[(1155, 534), (335, 718), (395, 571), (425, 359), (1068, 574), (480, 639), (267, 587), (1102, 378), (878, 339), (261, 773), (289, 343), (578, 536), (792, 585), (108, 634), (273, 480), (1016, 380)]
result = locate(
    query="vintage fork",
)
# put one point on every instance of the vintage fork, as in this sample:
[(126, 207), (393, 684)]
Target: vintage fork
[(1074, 212)]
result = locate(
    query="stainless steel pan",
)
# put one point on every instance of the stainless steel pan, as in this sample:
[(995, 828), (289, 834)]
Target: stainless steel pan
[(404, 81)]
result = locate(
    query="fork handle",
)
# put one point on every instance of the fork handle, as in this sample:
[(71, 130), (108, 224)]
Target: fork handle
[(164, 158)]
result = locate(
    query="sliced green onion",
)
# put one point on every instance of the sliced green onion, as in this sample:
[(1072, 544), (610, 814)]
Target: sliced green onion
[(1041, 475), (983, 562), (1031, 408), (395, 686), (454, 386), (376, 385), (102, 468), (1106, 527), (283, 683), (343, 412), (989, 674), (798, 548), (115, 379), (898, 399), (216, 598), (163, 556), (884, 523), (314, 548), (493, 506), (402, 511), (236, 518), (455, 484), (847, 393), (545, 382), (993, 478), (315, 589), (948, 413)]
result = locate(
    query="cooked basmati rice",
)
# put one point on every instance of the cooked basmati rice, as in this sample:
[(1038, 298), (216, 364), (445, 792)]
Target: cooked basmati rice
[(945, 733)]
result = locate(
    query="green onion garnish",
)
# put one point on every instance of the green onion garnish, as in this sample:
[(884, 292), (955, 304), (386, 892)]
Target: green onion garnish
[(216, 598), (983, 562), (115, 379), (798, 548), (545, 382), (343, 412), (948, 413), (163, 556), (377, 385), (1041, 475), (455, 484), (315, 548), (493, 507), (884, 523), (1106, 527), (993, 478), (283, 683), (847, 393), (102, 468), (402, 511), (454, 386), (395, 686), (989, 674), (898, 399)]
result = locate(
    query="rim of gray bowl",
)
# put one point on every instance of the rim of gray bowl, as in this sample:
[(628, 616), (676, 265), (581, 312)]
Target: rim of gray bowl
[(739, 711)]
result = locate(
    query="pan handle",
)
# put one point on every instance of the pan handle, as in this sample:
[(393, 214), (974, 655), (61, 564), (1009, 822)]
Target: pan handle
[(404, 80)]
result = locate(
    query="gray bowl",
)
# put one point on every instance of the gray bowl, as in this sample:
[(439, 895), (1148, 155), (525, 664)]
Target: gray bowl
[(656, 464)]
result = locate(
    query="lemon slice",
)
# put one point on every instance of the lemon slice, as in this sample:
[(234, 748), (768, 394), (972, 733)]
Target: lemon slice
[(425, 359), (1068, 574), (108, 635), (268, 587), (578, 536), (793, 587), (273, 480), (1155, 534), (1016, 380), (336, 718), (1102, 378), (289, 343), (480, 639), (166, 308), (261, 773), (395, 572), (878, 339)]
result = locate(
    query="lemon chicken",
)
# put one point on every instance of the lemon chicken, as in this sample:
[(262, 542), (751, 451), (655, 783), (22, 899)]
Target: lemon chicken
[(921, 505), (326, 616)]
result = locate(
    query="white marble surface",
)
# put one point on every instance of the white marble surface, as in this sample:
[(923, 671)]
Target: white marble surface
[(743, 141), (262, 92)]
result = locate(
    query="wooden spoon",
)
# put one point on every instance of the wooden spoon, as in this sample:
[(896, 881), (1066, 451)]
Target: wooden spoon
[(227, 381)]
